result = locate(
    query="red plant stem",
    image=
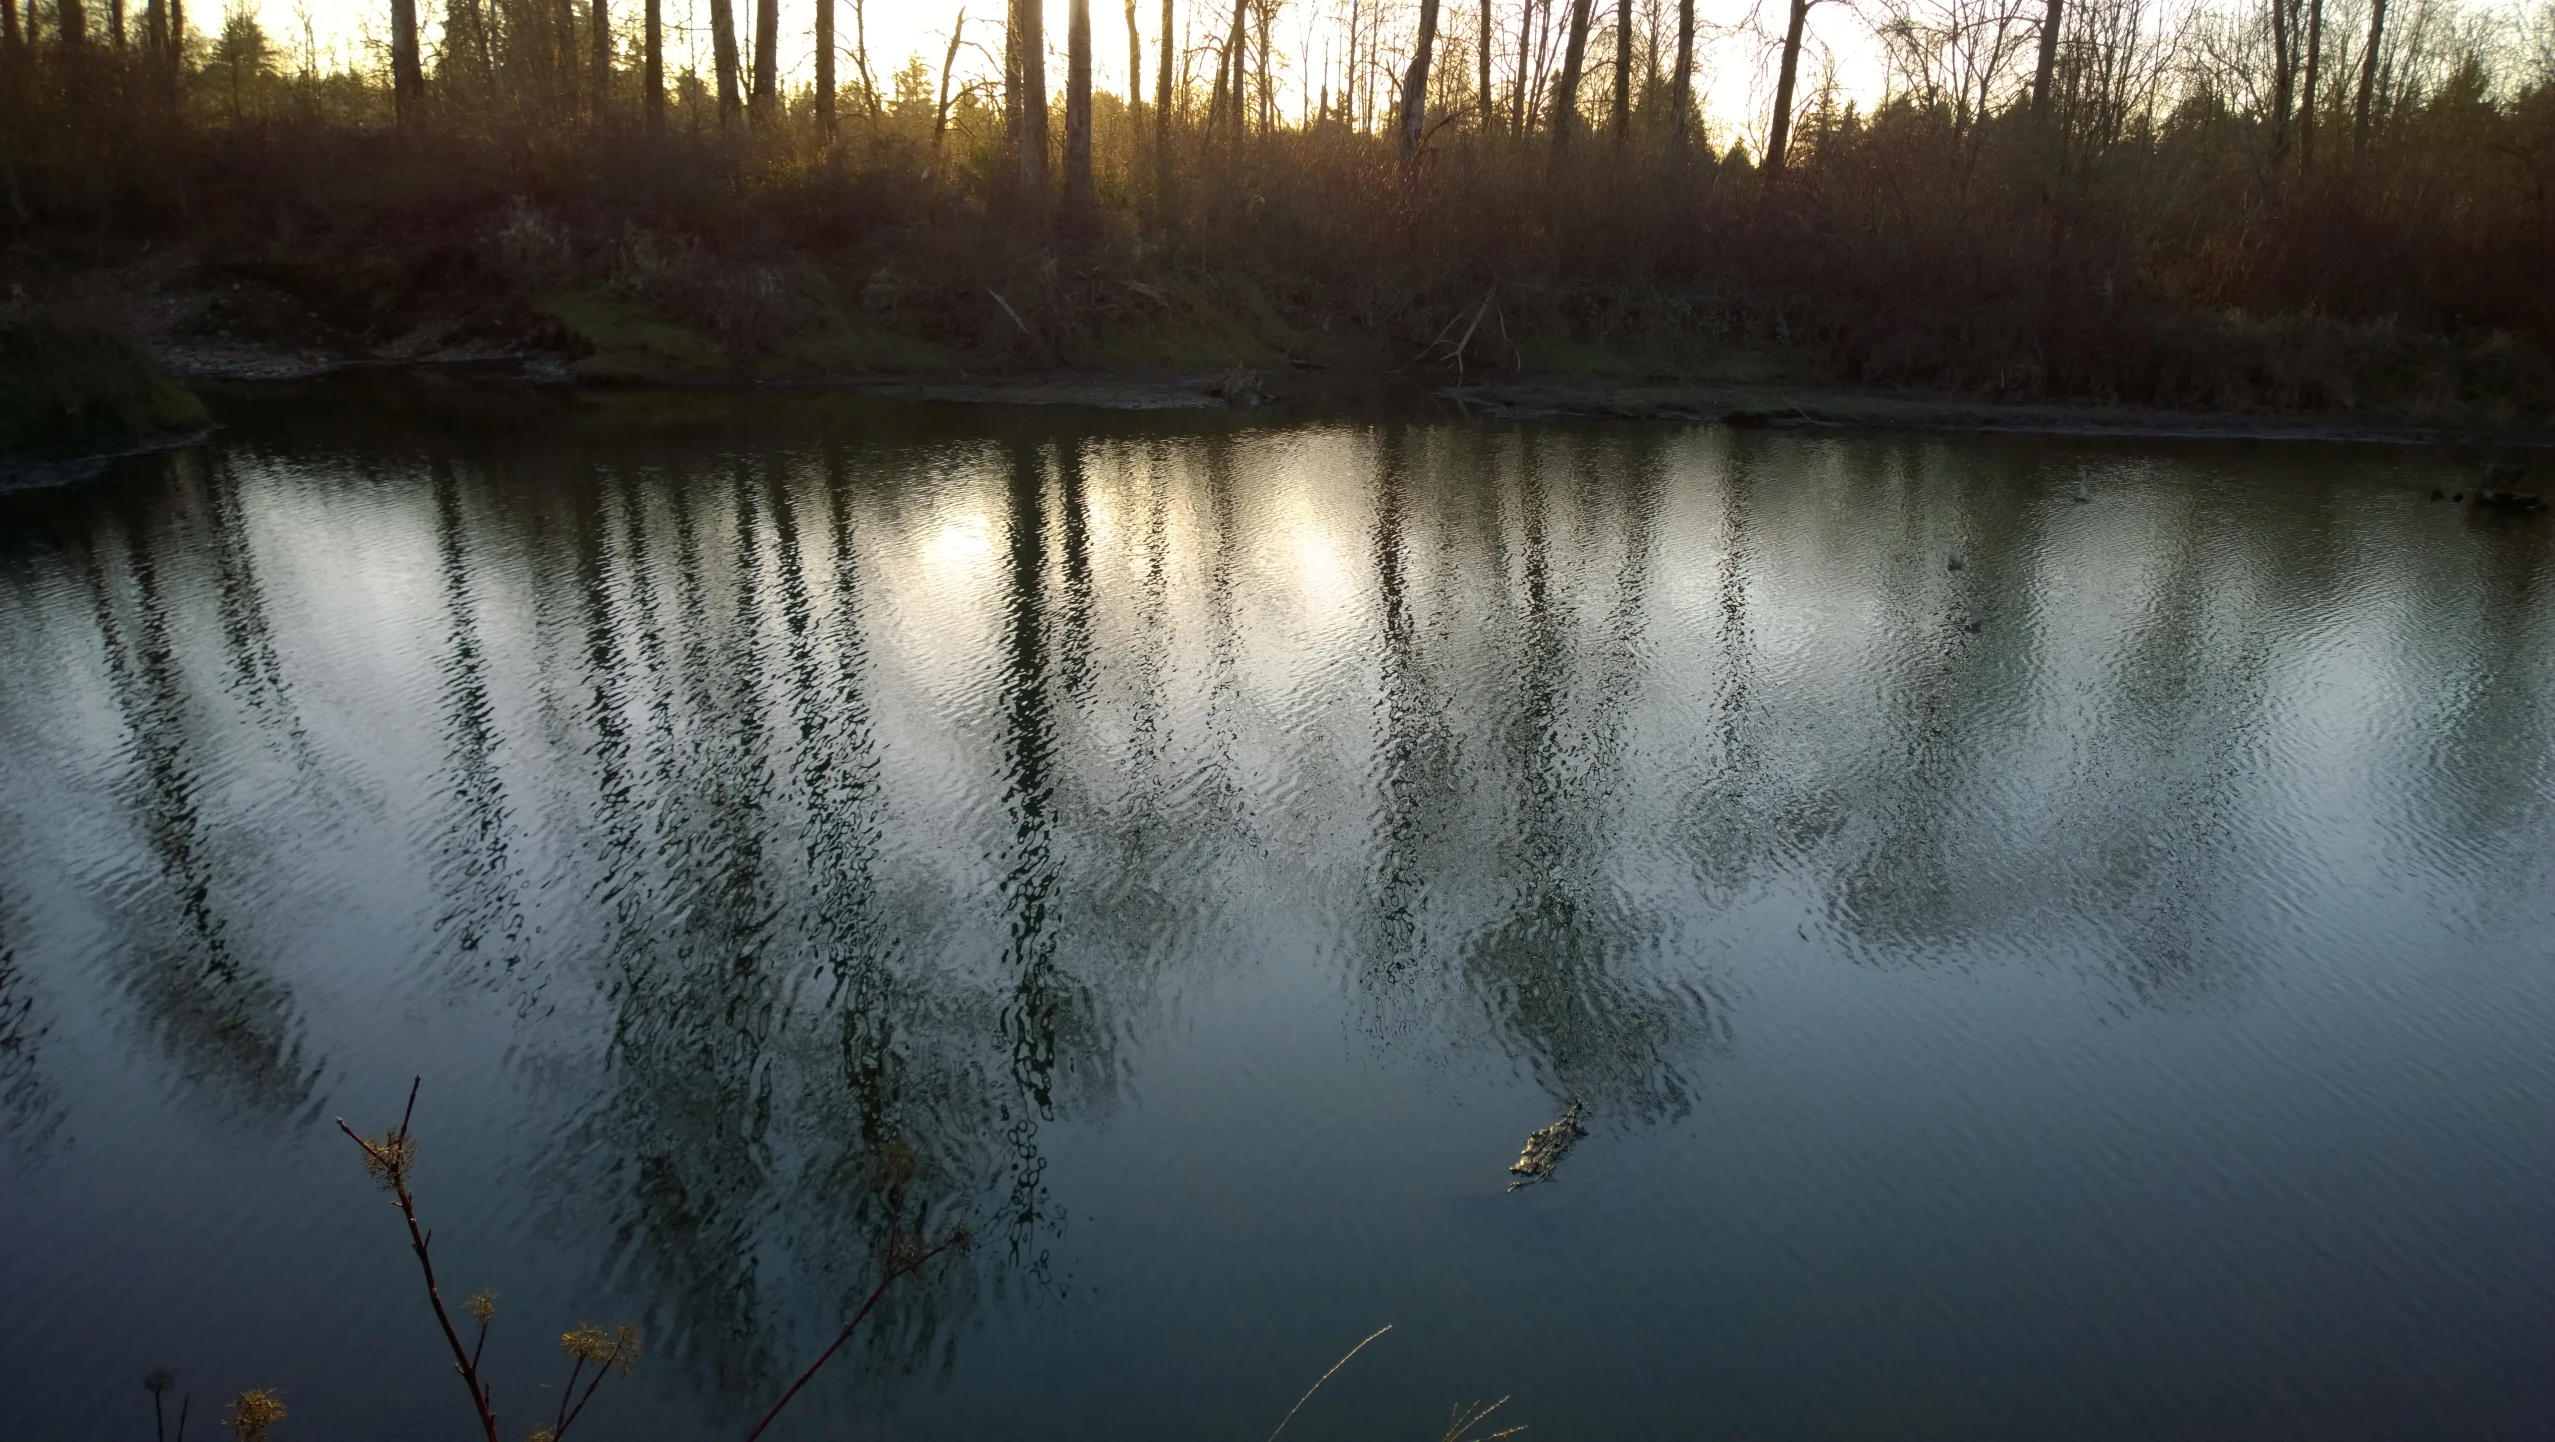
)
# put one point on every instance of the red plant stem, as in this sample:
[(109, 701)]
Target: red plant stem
[(875, 1293), (569, 1419), (419, 1239)]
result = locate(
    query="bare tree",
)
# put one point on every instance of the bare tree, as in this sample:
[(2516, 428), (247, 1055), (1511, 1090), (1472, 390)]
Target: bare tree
[(1623, 71), (1566, 90), (723, 56), (1078, 112), (948, 62), (12, 38), (654, 64), (71, 21), (602, 59), (1029, 100), (407, 79), (2048, 65), (1681, 90), (860, 59), (2315, 65), (1415, 82), (1779, 139), (767, 58), (825, 67), (2368, 77), (1483, 41), (1135, 67)]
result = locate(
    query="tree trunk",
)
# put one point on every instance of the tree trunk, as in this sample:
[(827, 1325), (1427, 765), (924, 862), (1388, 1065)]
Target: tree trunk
[(1230, 70), (1781, 138), (1566, 89), (407, 81), (654, 64), (1415, 83), (860, 58), (1029, 48), (177, 39), (767, 59), (1490, 104), (1162, 80), (1078, 111), (1623, 71), (71, 22), (2047, 69), (1135, 68), (723, 55), (1521, 108), (563, 19), (602, 40), (1681, 90), (825, 67), (12, 38), (948, 62), (2315, 65), (2368, 77), (115, 23), (2284, 77)]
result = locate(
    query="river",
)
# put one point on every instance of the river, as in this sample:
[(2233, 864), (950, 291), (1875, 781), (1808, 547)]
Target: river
[(2050, 937)]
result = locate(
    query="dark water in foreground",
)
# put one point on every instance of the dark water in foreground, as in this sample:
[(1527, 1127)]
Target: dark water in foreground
[(1213, 850)]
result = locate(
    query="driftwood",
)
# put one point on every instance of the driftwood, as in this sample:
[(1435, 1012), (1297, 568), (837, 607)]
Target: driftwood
[(1544, 1149)]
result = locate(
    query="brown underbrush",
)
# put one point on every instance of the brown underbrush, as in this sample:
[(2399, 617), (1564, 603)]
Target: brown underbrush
[(2178, 261)]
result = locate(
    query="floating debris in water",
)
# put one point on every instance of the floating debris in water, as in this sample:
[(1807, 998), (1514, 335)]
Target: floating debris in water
[(1973, 623), (1544, 1149), (1956, 561)]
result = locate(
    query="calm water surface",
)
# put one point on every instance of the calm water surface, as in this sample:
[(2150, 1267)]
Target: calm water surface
[(1212, 849)]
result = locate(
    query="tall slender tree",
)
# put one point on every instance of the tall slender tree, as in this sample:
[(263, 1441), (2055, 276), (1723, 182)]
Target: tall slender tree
[(1078, 112), (407, 78), (767, 59), (12, 39), (825, 67), (1029, 77), (1135, 68), (1681, 90), (1483, 40), (653, 62), (2368, 77), (71, 23), (1623, 71), (602, 43), (948, 63), (2315, 66), (1574, 58), (723, 56), (860, 58), (2048, 64), (1780, 139), (1415, 82)]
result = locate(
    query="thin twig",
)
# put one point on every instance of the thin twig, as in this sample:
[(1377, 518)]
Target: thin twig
[(1325, 1377), (893, 1272), (392, 1158)]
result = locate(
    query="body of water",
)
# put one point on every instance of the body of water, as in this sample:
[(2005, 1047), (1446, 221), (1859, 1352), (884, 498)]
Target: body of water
[(2051, 938)]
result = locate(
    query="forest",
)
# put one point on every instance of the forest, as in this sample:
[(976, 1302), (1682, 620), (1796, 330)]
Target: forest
[(2336, 206)]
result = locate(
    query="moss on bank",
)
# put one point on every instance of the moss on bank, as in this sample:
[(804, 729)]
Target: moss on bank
[(67, 383)]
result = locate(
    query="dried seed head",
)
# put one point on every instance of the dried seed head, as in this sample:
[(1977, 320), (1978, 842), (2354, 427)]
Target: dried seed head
[(252, 1412), (389, 1157), (158, 1380), (617, 1349), (482, 1305)]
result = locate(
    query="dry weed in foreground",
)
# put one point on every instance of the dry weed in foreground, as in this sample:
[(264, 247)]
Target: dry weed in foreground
[(389, 1158), (252, 1413)]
